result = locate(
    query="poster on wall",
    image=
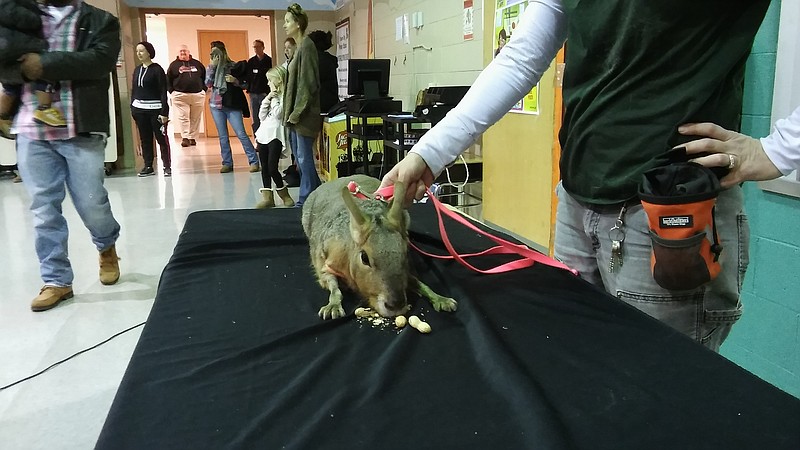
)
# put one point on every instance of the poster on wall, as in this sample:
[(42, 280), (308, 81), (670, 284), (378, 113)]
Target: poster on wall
[(343, 54), (469, 20), (506, 18)]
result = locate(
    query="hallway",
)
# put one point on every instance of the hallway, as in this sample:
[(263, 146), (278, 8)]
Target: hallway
[(65, 407)]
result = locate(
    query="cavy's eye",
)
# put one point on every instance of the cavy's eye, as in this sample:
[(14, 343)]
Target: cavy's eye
[(364, 258)]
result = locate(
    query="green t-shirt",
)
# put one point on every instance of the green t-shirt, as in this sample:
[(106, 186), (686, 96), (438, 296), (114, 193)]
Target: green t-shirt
[(635, 71)]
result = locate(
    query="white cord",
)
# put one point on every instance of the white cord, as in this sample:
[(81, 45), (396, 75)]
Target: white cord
[(466, 176)]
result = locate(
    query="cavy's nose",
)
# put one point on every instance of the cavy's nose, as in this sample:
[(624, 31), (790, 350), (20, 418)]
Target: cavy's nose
[(396, 304), (390, 306)]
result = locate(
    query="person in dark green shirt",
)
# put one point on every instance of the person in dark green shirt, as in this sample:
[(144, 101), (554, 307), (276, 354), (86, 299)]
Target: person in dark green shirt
[(635, 72)]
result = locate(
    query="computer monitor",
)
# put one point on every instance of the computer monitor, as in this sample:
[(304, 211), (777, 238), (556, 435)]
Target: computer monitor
[(368, 78)]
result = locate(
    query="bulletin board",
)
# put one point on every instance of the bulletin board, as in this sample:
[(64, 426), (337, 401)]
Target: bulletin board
[(507, 16), (343, 54)]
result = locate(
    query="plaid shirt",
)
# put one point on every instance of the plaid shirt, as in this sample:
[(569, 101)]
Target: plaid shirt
[(214, 98), (59, 26)]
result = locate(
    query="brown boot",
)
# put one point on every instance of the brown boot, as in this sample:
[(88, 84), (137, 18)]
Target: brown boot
[(268, 199), (109, 266), (283, 193), (50, 296)]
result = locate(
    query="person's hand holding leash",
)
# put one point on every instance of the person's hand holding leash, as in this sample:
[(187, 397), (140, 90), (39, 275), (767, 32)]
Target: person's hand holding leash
[(414, 173), (742, 155)]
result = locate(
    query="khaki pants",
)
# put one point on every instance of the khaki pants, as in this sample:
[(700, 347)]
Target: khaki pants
[(190, 109)]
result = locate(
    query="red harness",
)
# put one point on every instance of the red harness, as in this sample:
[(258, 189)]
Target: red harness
[(529, 256), (383, 195)]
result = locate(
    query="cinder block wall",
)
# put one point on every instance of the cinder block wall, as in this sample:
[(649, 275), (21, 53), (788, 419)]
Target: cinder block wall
[(436, 54), (766, 341)]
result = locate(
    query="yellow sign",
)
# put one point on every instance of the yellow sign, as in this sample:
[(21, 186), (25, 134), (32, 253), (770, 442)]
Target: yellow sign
[(507, 16)]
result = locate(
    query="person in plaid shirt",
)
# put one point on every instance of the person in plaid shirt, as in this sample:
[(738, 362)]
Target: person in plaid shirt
[(84, 42)]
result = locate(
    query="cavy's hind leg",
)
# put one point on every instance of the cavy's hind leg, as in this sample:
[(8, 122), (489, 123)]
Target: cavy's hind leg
[(439, 302), (333, 310)]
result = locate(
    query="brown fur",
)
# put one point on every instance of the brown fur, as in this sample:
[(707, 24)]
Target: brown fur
[(364, 244)]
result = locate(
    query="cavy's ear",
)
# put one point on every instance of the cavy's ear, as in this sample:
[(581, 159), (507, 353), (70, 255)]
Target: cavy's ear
[(358, 221), (396, 214)]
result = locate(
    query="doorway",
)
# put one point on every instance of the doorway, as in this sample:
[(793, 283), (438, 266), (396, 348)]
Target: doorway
[(167, 30)]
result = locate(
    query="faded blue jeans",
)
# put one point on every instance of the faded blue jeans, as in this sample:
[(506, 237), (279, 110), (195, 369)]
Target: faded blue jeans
[(705, 314), (234, 116), (48, 170), (303, 149)]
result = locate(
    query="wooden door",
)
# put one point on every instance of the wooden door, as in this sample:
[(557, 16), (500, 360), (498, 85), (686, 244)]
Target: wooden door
[(238, 49)]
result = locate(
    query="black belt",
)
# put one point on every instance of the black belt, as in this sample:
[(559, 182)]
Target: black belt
[(610, 207)]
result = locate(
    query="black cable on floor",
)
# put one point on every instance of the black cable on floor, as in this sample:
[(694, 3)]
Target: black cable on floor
[(70, 357)]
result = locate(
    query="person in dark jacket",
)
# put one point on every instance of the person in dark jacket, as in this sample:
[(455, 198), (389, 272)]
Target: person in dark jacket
[(150, 109), (229, 105), (186, 82), (52, 160), (257, 87), (328, 75), (21, 33)]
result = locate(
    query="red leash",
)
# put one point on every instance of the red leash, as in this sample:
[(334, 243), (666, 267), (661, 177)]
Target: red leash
[(529, 256)]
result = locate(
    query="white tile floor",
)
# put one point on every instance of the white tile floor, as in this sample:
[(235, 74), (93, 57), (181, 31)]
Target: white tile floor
[(65, 407)]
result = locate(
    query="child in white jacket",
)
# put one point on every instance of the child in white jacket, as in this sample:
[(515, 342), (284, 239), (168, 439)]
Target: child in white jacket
[(271, 141)]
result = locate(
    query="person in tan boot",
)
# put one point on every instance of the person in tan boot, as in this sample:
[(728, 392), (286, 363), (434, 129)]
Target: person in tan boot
[(50, 296), (283, 193), (109, 266), (53, 160), (267, 199), (270, 137)]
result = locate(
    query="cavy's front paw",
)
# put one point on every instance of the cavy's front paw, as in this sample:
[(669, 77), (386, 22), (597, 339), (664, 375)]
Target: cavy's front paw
[(333, 310), (441, 303)]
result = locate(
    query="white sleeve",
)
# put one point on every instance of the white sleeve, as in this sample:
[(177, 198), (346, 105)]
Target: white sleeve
[(263, 111), (783, 145), (276, 111), (508, 78)]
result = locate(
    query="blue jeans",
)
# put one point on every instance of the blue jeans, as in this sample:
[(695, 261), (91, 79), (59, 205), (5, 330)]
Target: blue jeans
[(303, 149), (705, 314), (255, 106), (47, 168), (234, 116)]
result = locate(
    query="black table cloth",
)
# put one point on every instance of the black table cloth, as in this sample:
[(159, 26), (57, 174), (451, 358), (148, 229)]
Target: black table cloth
[(234, 356)]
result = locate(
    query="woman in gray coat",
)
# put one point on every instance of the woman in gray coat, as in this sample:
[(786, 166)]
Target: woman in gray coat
[(301, 100)]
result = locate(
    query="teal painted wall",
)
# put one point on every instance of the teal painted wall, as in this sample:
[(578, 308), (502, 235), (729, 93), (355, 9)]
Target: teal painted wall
[(766, 341)]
